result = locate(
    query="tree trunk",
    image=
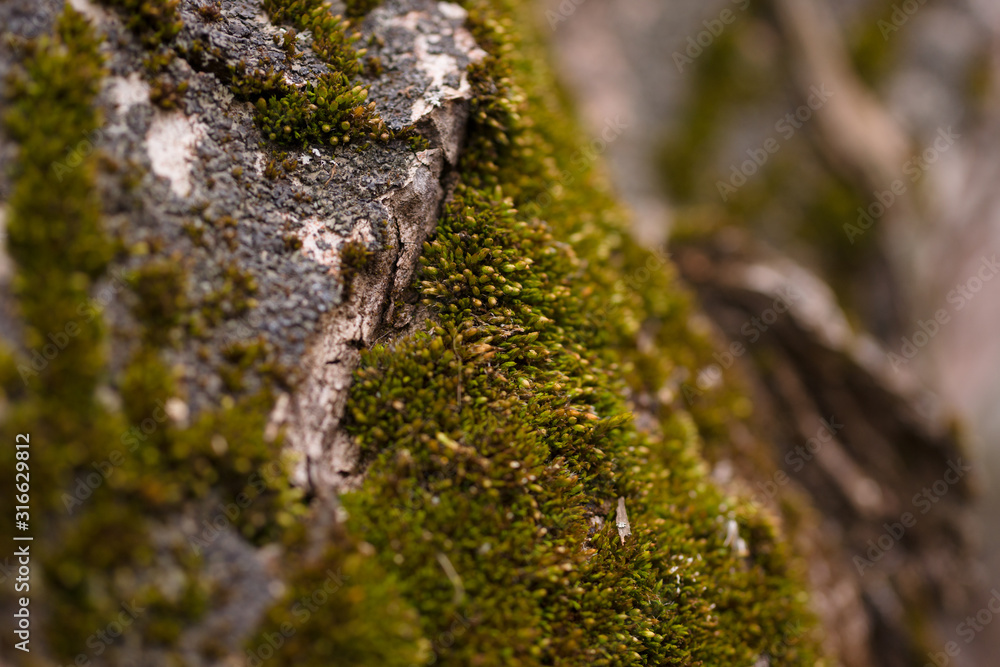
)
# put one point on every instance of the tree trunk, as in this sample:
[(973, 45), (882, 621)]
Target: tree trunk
[(329, 345)]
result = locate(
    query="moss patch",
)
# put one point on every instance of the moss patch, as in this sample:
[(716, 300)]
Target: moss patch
[(155, 21), (341, 608), (499, 438), (354, 256), (359, 8), (102, 476), (332, 110)]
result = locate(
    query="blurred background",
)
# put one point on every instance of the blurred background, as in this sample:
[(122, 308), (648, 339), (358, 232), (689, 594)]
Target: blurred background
[(852, 146)]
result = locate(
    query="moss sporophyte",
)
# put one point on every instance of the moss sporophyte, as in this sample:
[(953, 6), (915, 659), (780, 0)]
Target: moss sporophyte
[(497, 440)]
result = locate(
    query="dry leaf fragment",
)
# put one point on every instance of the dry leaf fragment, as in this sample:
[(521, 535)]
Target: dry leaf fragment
[(621, 519)]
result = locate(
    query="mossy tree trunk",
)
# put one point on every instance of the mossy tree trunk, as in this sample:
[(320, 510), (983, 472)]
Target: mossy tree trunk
[(332, 352)]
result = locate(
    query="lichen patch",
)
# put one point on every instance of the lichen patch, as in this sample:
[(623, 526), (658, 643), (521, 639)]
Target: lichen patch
[(171, 142), (126, 92)]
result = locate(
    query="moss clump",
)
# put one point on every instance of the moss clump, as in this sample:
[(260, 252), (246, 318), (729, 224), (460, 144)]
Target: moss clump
[(232, 298), (102, 476), (57, 215), (56, 241), (359, 8), (155, 21), (211, 11), (354, 257), (161, 290), (166, 94), (332, 110), (280, 165), (373, 67), (496, 436), (340, 608), (499, 439), (331, 41)]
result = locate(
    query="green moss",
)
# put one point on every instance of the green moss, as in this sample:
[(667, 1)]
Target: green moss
[(57, 214), (330, 111), (167, 95), (56, 241), (287, 41), (359, 8), (354, 257), (211, 11), (340, 608), (330, 39), (101, 477), (495, 438), (231, 298), (161, 289), (155, 21), (373, 67)]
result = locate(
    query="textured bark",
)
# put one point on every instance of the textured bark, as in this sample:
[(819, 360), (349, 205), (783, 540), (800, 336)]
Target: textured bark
[(858, 438), (194, 182), (205, 160)]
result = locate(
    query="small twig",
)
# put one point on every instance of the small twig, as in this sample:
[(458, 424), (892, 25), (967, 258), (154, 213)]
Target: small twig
[(456, 580), (454, 348)]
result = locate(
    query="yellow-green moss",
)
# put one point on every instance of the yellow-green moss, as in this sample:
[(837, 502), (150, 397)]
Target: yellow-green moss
[(160, 288), (493, 439), (354, 256), (341, 608), (100, 475), (56, 242), (155, 21), (496, 436), (332, 110), (359, 8)]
